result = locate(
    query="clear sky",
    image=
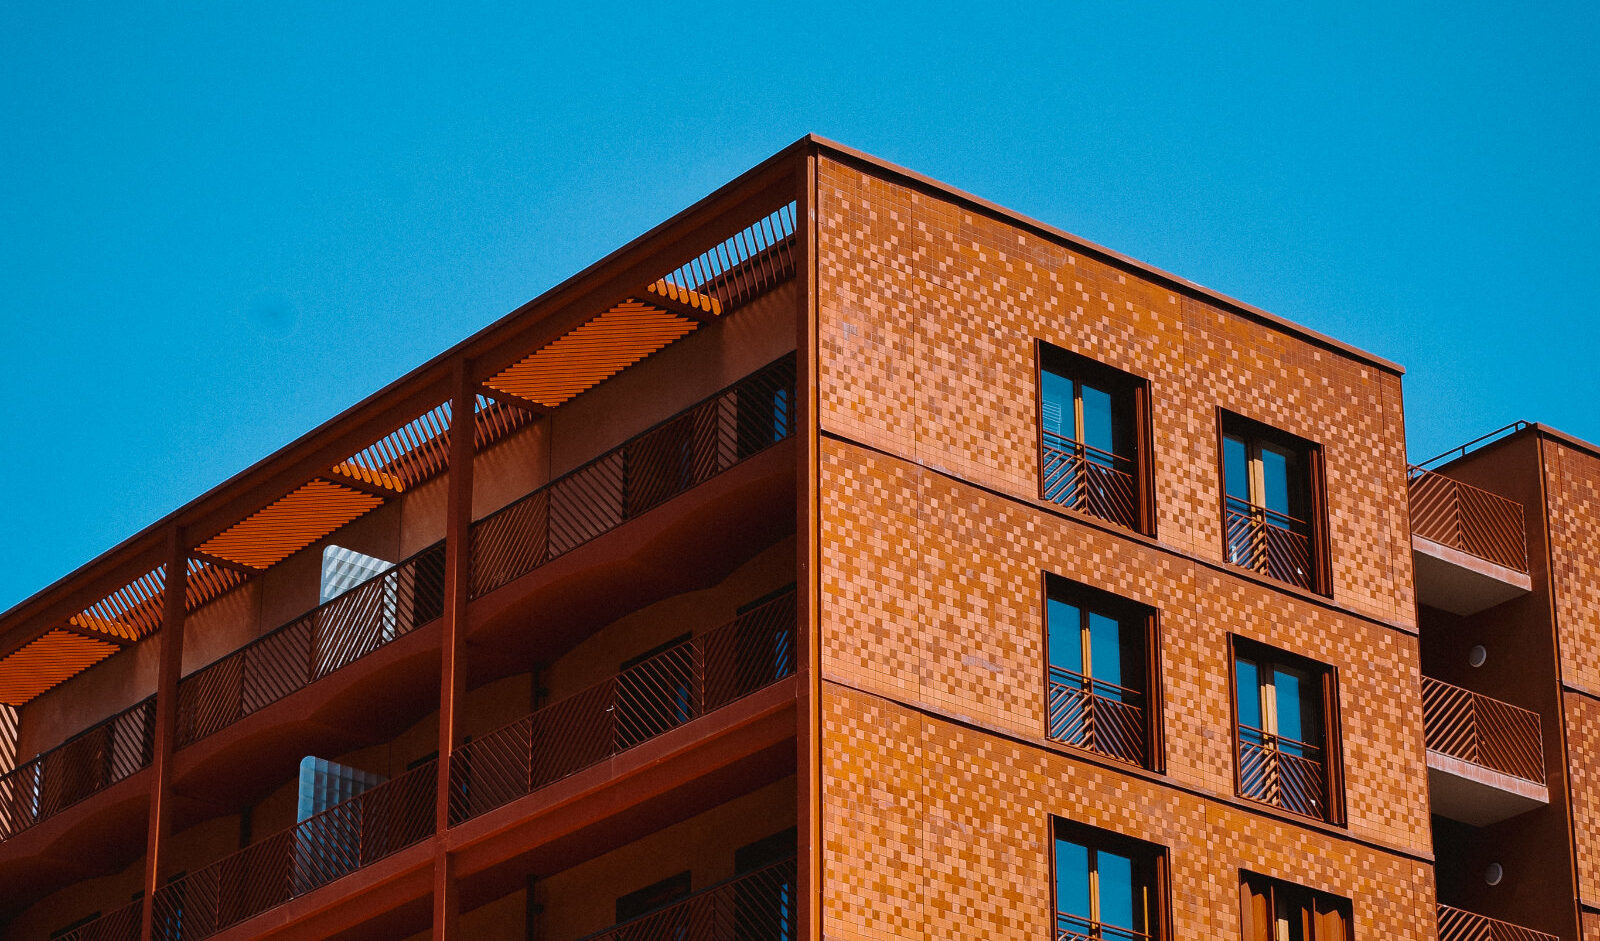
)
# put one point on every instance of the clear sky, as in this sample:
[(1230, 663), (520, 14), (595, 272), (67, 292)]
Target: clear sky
[(220, 225)]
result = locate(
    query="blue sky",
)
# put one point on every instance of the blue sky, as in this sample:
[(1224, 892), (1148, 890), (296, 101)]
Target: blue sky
[(221, 224)]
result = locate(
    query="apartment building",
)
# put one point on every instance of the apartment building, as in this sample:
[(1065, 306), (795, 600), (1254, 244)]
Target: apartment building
[(846, 557)]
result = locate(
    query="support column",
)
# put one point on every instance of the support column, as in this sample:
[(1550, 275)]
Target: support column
[(173, 609), (457, 580), (808, 735)]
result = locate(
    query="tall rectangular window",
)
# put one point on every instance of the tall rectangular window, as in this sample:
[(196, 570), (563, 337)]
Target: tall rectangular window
[(1280, 911), (1091, 439), (1272, 517), (1286, 727), (1099, 679), (1107, 887)]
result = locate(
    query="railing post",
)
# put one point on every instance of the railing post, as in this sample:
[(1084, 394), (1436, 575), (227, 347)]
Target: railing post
[(173, 608), (457, 581)]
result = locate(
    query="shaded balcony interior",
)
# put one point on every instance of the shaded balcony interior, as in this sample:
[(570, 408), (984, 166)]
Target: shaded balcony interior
[(601, 487)]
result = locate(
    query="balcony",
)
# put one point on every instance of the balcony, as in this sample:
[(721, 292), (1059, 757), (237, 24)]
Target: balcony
[(119, 925), (1089, 480), (758, 906), (1284, 772), (78, 768), (1098, 716), (1458, 925), (1073, 928), (1274, 544), (1485, 757), (1469, 545)]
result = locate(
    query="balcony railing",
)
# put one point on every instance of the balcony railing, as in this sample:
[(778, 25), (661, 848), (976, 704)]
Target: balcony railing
[(676, 455), (1272, 543), (1074, 928), (1465, 517), (762, 905), (1458, 925), (370, 826), (1089, 480), (1097, 715), (1284, 772), (1470, 726), (120, 924), (80, 767), (330, 636), (693, 678)]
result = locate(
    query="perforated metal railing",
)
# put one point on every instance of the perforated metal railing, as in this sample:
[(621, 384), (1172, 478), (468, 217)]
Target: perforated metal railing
[(1473, 727), (370, 826), (330, 636), (1089, 480), (83, 765), (691, 679), (1468, 518), (121, 924), (1282, 771), (761, 905), (1097, 715), (1272, 543), (1458, 925), (676, 455)]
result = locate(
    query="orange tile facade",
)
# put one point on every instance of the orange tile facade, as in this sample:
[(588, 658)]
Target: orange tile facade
[(938, 784)]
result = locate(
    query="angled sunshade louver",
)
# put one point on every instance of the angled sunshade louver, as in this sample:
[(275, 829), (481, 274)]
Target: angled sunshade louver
[(278, 531), (49, 660)]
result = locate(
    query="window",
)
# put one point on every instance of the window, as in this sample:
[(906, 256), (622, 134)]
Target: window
[(670, 925), (1287, 734), (341, 641), (1272, 519), (1091, 439), (1098, 683), (327, 845), (1280, 911), (1107, 887), (765, 904)]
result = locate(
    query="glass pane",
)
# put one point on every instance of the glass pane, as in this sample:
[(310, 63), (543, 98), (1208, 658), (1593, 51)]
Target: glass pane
[(1299, 706), (1276, 467), (1105, 651), (1056, 404), (1098, 427), (1236, 468), (1248, 684), (1072, 878), (1065, 624), (1117, 891)]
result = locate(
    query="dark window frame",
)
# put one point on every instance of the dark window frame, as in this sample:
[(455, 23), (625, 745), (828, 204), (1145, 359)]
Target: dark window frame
[(1309, 902), (1146, 621), (1155, 858), (1332, 738), (1314, 481), (1063, 362)]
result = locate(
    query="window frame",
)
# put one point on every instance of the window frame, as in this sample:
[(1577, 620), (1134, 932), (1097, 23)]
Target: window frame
[(1314, 473), (1143, 618), (1309, 901), (1154, 857), (1327, 676), (1079, 367)]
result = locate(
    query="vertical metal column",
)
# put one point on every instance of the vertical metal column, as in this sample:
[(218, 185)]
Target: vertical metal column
[(457, 581), (808, 666), (173, 609)]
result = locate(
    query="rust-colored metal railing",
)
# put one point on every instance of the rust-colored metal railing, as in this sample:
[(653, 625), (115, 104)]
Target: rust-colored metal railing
[(1074, 928), (83, 765), (686, 681), (1088, 479), (330, 636), (674, 456), (1473, 727), (121, 924), (1272, 543), (1468, 518), (762, 905), (1458, 925), (1097, 715), (1279, 770), (370, 826)]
